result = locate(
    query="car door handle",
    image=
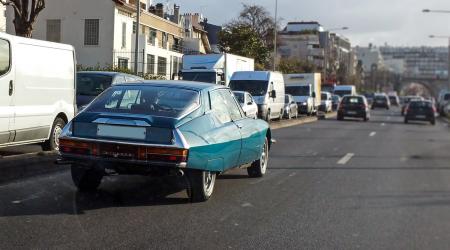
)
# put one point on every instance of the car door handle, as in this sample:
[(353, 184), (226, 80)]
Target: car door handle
[(11, 88), (239, 126)]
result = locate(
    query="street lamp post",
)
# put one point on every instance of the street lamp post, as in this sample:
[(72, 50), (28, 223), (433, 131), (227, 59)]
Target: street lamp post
[(448, 63), (275, 37)]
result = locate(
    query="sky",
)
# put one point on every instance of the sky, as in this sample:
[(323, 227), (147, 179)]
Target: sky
[(395, 22)]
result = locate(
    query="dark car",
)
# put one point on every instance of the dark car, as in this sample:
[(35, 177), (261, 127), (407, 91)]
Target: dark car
[(355, 107), (420, 111), (381, 101), (155, 128), (407, 100), (92, 83)]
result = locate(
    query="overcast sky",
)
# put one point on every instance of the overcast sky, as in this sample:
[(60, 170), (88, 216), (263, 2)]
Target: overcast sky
[(396, 22)]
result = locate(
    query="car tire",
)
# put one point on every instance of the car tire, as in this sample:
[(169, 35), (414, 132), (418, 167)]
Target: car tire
[(53, 142), (433, 122), (406, 121), (268, 118), (340, 118), (366, 118), (259, 167), (201, 185), (86, 180)]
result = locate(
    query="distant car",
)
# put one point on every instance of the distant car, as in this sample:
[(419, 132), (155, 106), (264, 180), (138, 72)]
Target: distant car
[(335, 102), (381, 101), (355, 106), (290, 107), (395, 101), (247, 103), (420, 111), (407, 100), (443, 100), (326, 104), (92, 83), (369, 97), (164, 128)]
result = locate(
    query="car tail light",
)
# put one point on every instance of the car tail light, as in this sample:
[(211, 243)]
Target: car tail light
[(167, 154), (75, 147)]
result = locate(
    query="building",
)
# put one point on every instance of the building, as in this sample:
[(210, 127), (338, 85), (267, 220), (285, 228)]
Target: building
[(195, 36), (102, 32), (370, 57), (301, 41), (213, 35)]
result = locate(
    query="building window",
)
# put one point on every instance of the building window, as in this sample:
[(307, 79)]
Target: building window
[(54, 30), (152, 37), (91, 31), (124, 35), (123, 63), (162, 66), (134, 27), (165, 39), (150, 64)]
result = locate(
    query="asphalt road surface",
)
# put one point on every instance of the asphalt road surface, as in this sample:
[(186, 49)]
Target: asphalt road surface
[(331, 185)]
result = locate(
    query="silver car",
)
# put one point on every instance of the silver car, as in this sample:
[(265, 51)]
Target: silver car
[(290, 107), (247, 103)]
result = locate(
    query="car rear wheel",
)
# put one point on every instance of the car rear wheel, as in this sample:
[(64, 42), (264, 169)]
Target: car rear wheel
[(53, 142), (201, 185), (366, 118), (259, 167), (86, 180), (433, 122), (268, 116)]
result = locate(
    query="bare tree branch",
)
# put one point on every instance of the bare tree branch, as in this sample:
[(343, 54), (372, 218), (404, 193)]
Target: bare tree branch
[(12, 4)]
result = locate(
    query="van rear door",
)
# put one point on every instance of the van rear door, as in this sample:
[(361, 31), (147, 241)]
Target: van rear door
[(6, 91)]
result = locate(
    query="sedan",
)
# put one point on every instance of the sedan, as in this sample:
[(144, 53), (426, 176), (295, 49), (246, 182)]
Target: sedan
[(355, 107), (290, 107), (155, 128), (381, 101), (420, 111), (247, 103)]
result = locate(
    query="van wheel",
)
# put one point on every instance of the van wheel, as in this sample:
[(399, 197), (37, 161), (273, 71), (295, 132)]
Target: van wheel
[(201, 185), (259, 167), (53, 142), (268, 116), (86, 180)]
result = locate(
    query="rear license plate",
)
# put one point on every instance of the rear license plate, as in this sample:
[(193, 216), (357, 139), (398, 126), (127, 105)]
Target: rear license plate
[(351, 112), (124, 132), (421, 116)]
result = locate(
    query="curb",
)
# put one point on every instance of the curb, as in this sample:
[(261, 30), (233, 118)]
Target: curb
[(291, 123), (27, 165)]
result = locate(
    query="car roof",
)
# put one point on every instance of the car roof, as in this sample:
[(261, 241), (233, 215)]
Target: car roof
[(106, 73), (198, 86)]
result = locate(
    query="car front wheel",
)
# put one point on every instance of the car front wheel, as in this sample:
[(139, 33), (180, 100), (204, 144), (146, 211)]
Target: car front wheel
[(53, 142), (201, 185), (259, 167)]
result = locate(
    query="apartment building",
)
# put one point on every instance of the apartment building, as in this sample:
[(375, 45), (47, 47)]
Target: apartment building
[(102, 32)]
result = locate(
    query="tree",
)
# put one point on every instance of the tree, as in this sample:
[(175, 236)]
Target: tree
[(241, 39), (25, 14), (260, 21), (292, 66)]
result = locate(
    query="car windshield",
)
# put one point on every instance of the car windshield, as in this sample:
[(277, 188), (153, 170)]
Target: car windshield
[(239, 97), (380, 98), (335, 98), (147, 100), (420, 104), (298, 90), (208, 77), (91, 84), (255, 88)]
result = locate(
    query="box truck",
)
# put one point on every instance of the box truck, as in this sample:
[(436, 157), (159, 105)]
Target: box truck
[(214, 68), (306, 90), (37, 91)]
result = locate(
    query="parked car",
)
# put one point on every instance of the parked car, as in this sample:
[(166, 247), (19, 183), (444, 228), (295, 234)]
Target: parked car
[(290, 107), (164, 127), (335, 102), (90, 84), (407, 100), (326, 104), (37, 96), (266, 87), (369, 97), (354, 106), (247, 103), (395, 101), (443, 100), (420, 111), (381, 101)]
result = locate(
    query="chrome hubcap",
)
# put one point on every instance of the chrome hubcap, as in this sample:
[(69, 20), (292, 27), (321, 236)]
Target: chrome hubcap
[(208, 182), (56, 134), (264, 158)]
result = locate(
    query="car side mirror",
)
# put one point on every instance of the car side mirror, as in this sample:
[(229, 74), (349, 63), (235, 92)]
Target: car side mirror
[(249, 103), (273, 94)]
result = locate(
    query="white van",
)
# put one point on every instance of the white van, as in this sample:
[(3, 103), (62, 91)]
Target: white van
[(343, 90), (267, 89), (37, 90)]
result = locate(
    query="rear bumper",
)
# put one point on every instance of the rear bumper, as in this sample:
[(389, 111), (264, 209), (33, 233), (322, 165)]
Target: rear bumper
[(416, 118), (358, 114)]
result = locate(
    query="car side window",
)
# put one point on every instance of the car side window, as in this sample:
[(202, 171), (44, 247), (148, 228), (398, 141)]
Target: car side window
[(119, 79), (219, 108), (5, 57), (233, 108), (248, 98)]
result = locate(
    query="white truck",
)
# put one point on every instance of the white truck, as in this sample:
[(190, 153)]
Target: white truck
[(214, 68), (306, 90), (37, 91)]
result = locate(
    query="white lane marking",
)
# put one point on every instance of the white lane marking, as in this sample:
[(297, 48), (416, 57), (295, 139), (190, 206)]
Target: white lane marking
[(345, 159), (373, 134), (383, 124)]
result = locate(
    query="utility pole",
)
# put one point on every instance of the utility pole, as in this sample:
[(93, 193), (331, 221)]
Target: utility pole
[(275, 37), (136, 46)]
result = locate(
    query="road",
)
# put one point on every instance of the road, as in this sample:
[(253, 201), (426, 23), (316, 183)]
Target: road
[(331, 185)]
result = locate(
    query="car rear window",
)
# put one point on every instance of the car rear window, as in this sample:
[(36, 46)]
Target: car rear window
[(352, 100), (380, 98), (416, 104), (147, 100), (447, 97)]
